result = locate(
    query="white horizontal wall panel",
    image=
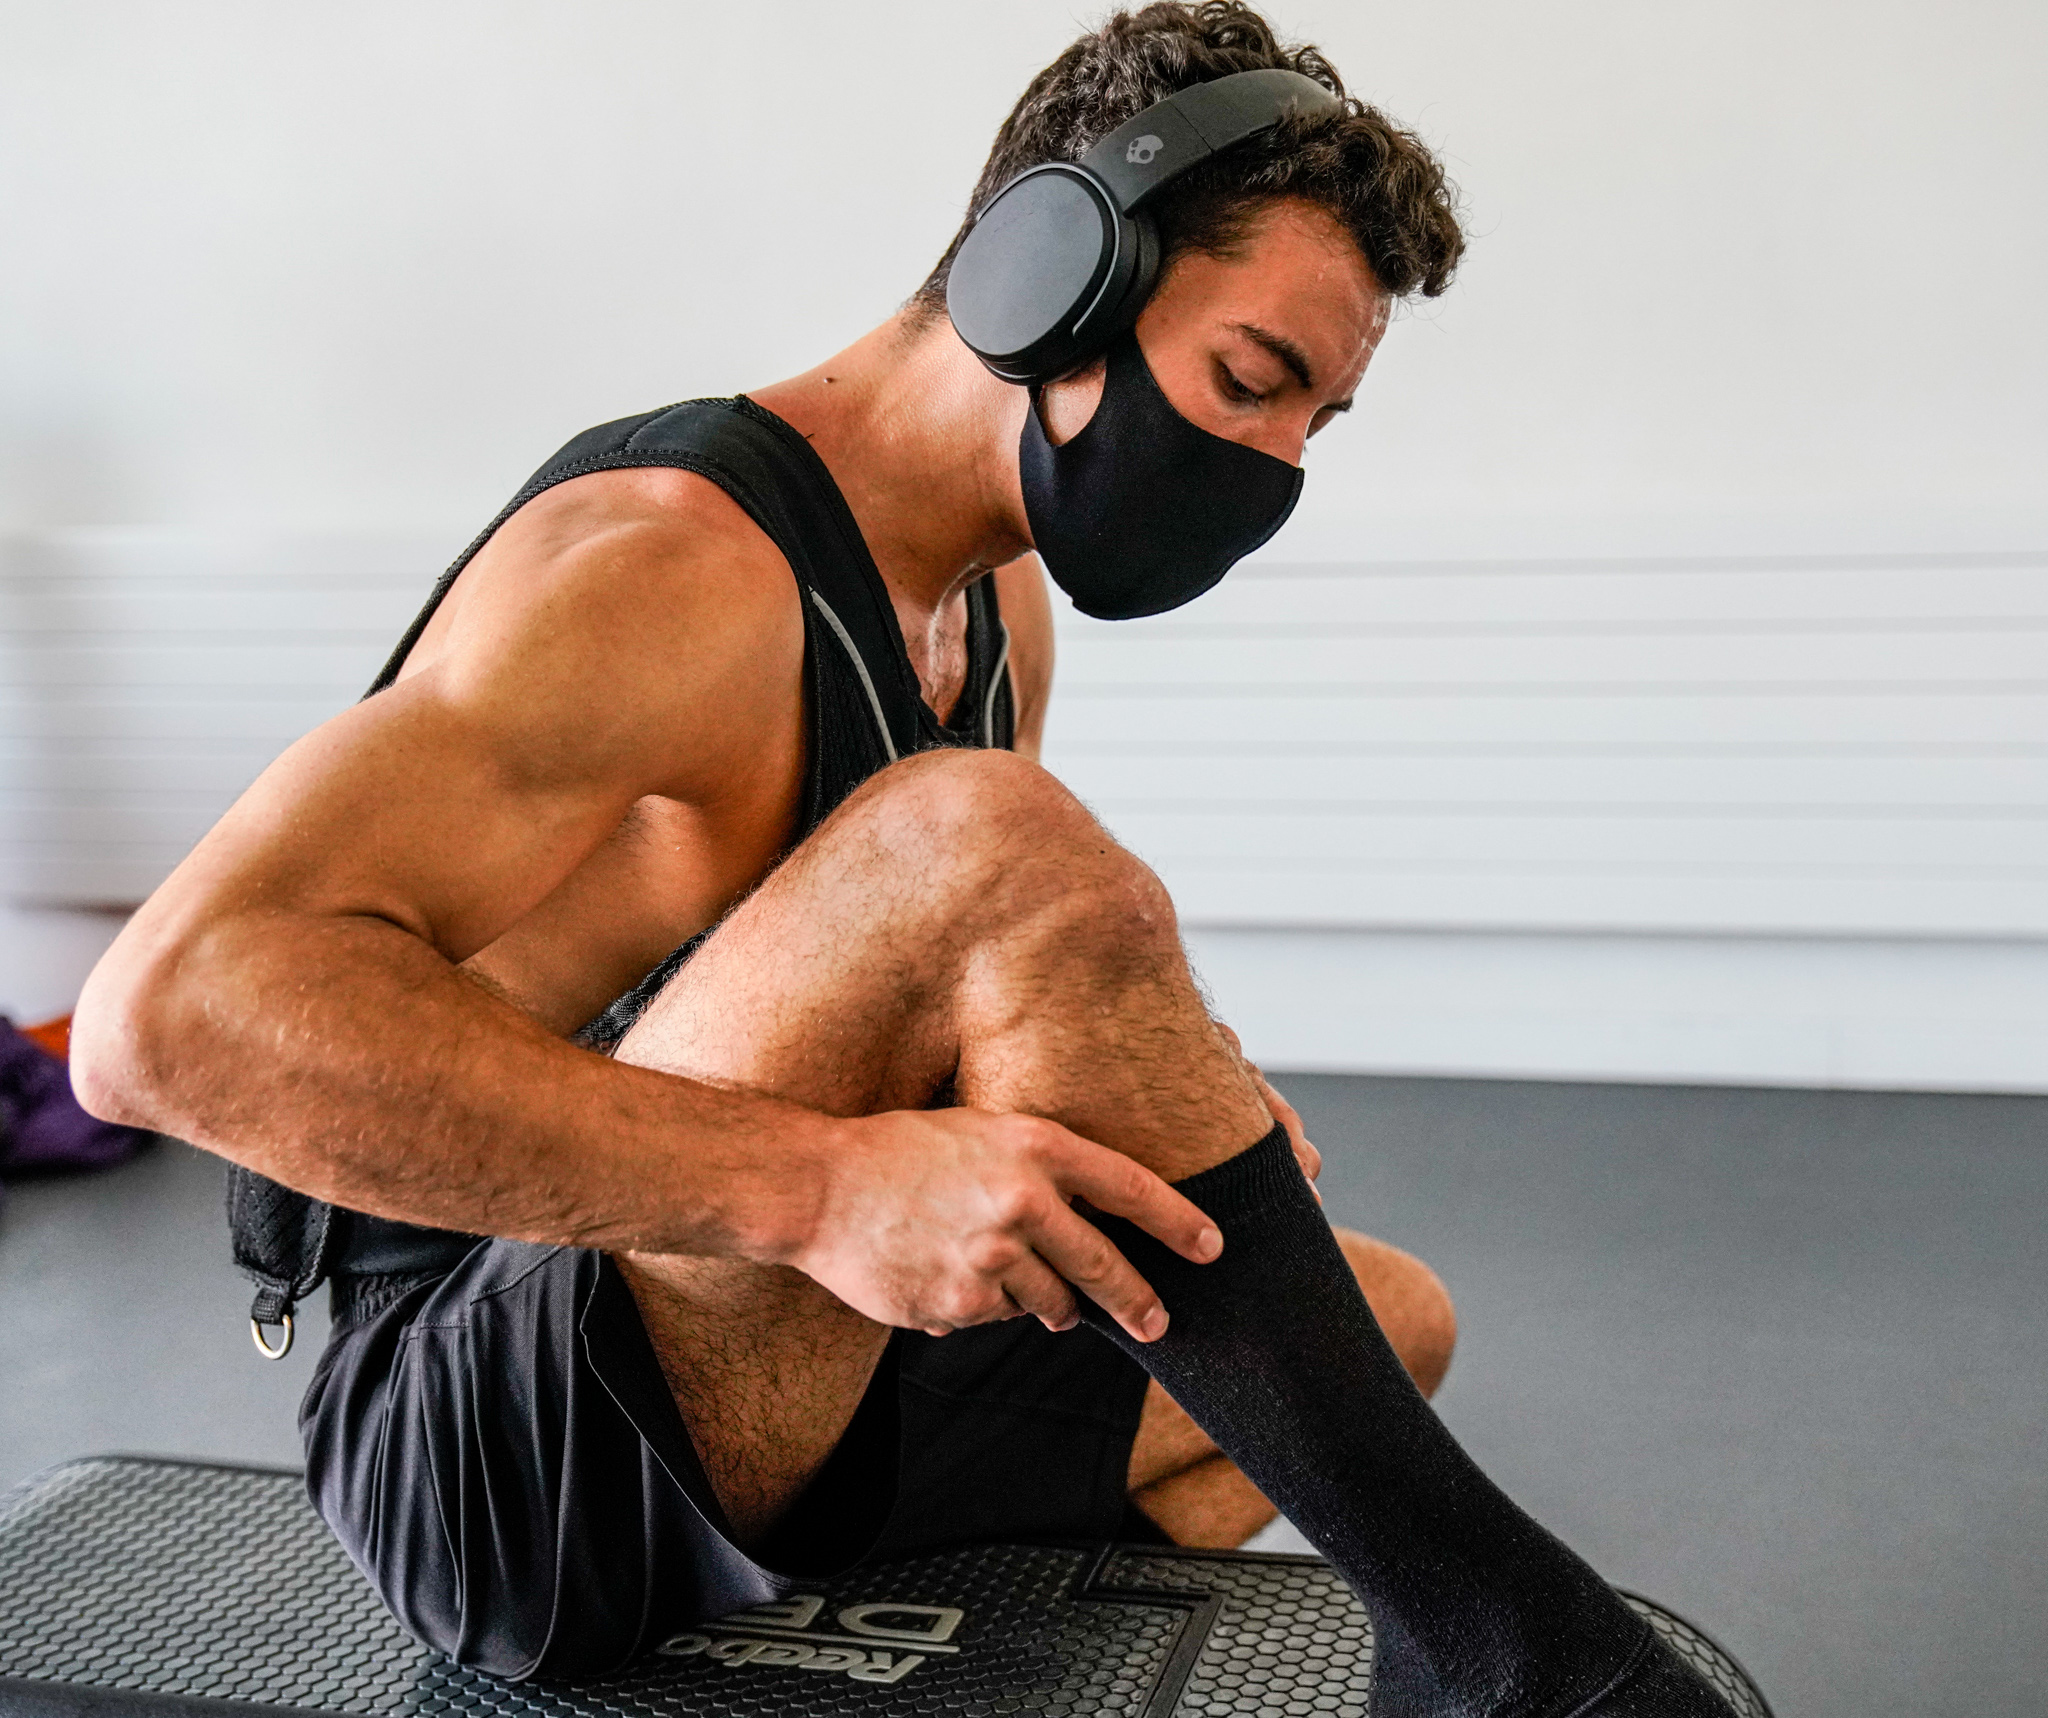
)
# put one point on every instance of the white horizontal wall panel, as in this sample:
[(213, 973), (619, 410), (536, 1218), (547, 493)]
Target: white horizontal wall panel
[(261, 659), (1276, 719), (1568, 897), (2012, 657), (55, 611), (1925, 1014), (1857, 747), (1596, 596), (110, 878), (1569, 782), (142, 561), (146, 678), (95, 819), (1705, 840), (1854, 747), (63, 722), (203, 770)]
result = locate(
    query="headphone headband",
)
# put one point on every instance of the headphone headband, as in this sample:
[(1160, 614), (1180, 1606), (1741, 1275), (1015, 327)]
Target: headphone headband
[(1145, 154), (1063, 257)]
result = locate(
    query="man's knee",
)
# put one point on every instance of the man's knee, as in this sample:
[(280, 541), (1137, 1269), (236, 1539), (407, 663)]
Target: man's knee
[(1005, 834), (1410, 1302), (961, 801)]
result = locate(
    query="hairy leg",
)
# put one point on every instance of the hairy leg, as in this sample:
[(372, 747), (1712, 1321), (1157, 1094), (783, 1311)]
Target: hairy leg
[(960, 927), (1193, 1492), (963, 926)]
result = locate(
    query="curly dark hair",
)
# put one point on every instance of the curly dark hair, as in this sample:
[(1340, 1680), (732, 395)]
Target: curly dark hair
[(1379, 180)]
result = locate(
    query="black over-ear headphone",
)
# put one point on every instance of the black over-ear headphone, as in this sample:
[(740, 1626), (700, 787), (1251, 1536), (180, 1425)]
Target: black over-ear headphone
[(1062, 258)]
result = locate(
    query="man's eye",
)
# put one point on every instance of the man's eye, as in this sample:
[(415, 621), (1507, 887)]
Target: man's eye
[(1233, 388)]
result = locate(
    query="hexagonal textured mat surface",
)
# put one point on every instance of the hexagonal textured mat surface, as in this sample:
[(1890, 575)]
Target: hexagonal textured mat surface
[(145, 1589)]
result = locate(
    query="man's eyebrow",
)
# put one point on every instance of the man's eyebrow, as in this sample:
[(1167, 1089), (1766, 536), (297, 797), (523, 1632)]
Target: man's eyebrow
[(1289, 354), (1282, 348)]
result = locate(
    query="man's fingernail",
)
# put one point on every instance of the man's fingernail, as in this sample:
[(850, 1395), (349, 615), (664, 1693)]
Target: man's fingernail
[(1208, 1243), (1153, 1324)]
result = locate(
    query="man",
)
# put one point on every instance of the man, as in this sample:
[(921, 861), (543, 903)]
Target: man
[(704, 1351)]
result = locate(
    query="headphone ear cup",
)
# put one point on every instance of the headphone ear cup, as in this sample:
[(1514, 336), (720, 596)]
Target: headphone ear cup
[(1049, 247), (1050, 273), (1113, 313)]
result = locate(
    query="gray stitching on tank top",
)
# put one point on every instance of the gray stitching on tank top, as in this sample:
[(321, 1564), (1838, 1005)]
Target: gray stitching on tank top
[(859, 667), (995, 682)]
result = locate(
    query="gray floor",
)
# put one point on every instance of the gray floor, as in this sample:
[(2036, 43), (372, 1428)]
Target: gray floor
[(1778, 1358)]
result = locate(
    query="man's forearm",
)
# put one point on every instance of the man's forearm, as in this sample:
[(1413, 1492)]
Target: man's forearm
[(348, 1059)]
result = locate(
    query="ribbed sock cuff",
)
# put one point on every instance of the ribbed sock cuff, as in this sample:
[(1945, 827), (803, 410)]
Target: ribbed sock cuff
[(1261, 1176)]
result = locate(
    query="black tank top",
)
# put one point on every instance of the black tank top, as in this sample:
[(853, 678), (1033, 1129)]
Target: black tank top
[(863, 710)]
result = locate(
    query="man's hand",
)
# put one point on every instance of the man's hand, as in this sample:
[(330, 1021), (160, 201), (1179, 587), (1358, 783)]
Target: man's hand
[(1305, 1154), (935, 1220)]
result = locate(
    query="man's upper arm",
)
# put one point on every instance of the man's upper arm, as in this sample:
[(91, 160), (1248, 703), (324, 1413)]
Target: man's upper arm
[(595, 656), (1027, 612)]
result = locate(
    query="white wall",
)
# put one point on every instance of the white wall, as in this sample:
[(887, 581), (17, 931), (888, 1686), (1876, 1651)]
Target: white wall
[(1668, 619), (1747, 273), (1853, 746), (1900, 1013)]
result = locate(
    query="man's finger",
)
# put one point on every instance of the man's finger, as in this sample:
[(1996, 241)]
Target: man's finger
[(1084, 1256), (1036, 1288), (1305, 1152), (1310, 1159), (1129, 1190)]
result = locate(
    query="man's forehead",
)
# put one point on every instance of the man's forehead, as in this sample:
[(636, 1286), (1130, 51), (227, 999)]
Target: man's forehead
[(1296, 270), (1323, 340)]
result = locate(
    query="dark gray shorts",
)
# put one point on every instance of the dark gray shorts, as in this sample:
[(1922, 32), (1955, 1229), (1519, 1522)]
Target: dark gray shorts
[(499, 1453)]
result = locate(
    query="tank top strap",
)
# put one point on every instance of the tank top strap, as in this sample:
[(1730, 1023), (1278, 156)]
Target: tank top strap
[(776, 477)]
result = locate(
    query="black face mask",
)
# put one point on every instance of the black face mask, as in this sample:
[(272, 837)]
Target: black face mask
[(1143, 511)]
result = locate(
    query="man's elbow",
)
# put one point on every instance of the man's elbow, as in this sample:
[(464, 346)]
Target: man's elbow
[(120, 1034)]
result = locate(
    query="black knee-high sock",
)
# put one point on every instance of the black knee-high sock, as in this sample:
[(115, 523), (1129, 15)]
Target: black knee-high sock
[(1272, 1349)]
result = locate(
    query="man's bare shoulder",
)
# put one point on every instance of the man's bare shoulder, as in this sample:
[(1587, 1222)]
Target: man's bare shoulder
[(640, 539), (647, 594)]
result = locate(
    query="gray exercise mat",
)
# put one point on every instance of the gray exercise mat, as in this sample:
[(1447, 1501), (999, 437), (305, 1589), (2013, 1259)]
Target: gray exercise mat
[(150, 1589)]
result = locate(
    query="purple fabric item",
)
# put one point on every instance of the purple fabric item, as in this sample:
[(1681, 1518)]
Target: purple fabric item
[(43, 1128)]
